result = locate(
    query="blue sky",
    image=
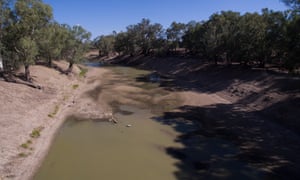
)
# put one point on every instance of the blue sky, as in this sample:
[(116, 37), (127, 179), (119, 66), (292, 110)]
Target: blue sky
[(101, 17)]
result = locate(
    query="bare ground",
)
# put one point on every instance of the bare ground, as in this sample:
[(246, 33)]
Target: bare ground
[(26, 110), (254, 110)]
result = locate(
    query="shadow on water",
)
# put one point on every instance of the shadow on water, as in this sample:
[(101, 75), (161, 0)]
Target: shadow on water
[(221, 142), (216, 142), (94, 64), (230, 142)]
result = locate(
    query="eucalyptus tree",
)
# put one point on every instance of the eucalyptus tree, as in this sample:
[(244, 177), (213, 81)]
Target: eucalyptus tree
[(105, 44), (30, 17), (174, 34), (192, 39), (122, 43), (293, 43), (293, 35), (5, 17), (212, 38), (76, 44), (229, 34), (293, 4), (252, 39), (50, 40), (143, 36), (276, 35)]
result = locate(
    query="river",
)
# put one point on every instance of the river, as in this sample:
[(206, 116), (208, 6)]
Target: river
[(134, 148), (147, 142)]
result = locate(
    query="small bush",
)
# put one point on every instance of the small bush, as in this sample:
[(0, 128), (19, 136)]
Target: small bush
[(22, 155), (75, 86), (36, 132), (25, 145), (83, 72)]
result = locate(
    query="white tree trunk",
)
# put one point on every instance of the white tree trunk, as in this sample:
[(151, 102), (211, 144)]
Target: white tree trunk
[(1, 63)]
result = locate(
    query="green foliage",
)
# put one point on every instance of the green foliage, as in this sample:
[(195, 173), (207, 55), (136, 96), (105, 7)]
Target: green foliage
[(75, 86), (83, 71), (293, 4), (36, 132), (174, 34), (27, 50), (28, 33), (51, 40), (105, 44), (76, 44), (122, 43), (139, 38), (25, 145)]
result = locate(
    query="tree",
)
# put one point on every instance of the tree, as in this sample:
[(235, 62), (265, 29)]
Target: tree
[(142, 36), (174, 34), (122, 43), (5, 13), (27, 50), (293, 4), (30, 17), (250, 39), (192, 40), (293, 43), (76, 44), (276, 33), (50, 40), (105, 44)]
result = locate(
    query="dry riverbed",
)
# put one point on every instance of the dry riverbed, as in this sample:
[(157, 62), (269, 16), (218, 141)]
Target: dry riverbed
[(30, 117)]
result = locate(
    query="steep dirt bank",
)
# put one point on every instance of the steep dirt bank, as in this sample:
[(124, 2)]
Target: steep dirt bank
[(30, 117), (261, 118), (274, 95)]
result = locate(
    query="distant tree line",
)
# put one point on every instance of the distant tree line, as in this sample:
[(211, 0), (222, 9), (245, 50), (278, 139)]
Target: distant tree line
[(29, 34), (252, 38)]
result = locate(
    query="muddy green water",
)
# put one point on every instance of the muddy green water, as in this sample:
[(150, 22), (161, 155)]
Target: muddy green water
[(152, 148), (89, 149)]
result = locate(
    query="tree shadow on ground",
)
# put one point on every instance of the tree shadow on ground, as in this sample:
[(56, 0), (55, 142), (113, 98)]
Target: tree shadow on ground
[(54, 66), (222, 142)]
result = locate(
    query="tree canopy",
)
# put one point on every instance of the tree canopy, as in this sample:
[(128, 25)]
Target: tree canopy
[(28, 34), (251, 39)]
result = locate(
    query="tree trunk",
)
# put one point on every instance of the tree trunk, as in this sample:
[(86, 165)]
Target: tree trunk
[(228, 59), (216, 59), (263, 62), (70, 68), (1, 63), (27, 73), (49, 61)]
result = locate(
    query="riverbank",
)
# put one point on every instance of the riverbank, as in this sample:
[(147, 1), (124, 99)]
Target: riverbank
[(268, 92), (30, 117), (260, 117)]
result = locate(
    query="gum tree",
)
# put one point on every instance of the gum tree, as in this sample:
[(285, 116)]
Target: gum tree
[(30, 17)]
